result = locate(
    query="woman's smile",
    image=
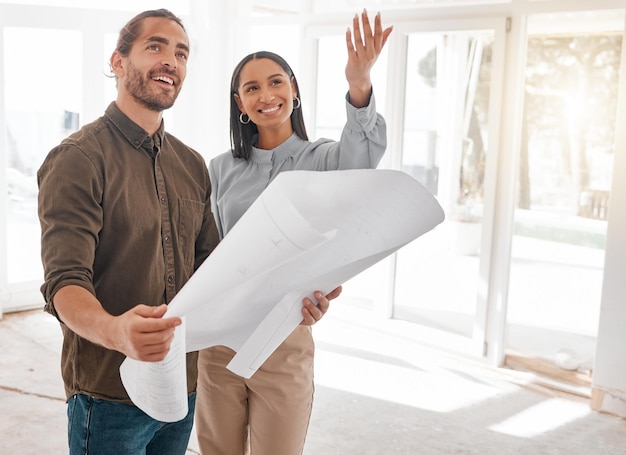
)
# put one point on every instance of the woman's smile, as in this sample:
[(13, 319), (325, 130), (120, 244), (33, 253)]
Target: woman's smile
[(269, 110)]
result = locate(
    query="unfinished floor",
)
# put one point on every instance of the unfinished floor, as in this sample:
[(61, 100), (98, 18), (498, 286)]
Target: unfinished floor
[(379, 391)]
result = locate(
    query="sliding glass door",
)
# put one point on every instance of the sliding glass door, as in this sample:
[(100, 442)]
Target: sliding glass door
[(46, 96), (452, 80), (42, 105), (564, 176)]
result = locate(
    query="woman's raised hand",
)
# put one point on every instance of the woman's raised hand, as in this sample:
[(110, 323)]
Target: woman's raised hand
[(364, 47)]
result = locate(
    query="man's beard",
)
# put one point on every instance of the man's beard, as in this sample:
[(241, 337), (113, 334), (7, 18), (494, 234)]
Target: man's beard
[(137, 86)]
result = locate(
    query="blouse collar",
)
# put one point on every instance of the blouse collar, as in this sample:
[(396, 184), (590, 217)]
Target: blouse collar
[(278, 154)]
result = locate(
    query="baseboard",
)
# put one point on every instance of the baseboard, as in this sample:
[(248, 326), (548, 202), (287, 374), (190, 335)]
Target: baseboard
[(604, 401)]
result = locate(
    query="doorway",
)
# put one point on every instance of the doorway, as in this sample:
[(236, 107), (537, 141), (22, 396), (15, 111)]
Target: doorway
[(453, 79), (564, 177), (37, 116)]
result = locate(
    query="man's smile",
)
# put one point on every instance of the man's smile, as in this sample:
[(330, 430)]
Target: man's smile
[(162, 78)]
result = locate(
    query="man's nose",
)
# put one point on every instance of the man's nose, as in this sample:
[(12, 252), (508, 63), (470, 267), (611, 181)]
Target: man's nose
[(170, 62)]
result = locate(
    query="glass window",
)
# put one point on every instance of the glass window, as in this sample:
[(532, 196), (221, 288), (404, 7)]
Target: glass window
[(272, 38), (330, 118), (565, 168), (332, 85), (42, 106), (445, 147)]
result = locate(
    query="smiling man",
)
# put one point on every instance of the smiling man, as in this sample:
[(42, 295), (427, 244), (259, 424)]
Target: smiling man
[(125, 220)]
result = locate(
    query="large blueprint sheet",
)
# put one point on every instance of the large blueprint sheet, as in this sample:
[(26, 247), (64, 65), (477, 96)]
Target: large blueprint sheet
[(307, 231)]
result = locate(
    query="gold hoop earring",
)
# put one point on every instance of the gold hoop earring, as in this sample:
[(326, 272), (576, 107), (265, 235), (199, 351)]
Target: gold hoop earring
[(296, 103), (241, 118)]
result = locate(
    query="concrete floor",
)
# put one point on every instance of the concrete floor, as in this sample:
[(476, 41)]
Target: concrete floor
[(379, 390)]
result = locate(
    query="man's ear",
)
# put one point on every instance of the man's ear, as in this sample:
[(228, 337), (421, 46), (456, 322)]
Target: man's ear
[(116, 63)]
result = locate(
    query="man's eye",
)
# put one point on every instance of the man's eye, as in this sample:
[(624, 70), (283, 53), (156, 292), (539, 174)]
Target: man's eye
[(153, 47), (183, 56)]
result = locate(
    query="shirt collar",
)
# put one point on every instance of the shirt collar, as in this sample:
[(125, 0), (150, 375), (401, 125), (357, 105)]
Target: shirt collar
[(134, 134), (278, 154)]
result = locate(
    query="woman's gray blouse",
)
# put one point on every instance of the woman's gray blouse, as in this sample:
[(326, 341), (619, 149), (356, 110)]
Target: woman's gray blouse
[(237, 182)]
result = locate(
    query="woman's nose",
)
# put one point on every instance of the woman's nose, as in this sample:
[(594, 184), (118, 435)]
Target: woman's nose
[(266, 97)]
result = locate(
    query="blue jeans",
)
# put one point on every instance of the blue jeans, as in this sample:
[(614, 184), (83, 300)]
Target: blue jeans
[(100, 427)]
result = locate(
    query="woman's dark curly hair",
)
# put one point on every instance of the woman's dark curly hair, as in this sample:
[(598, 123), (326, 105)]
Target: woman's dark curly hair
[(241, 135)]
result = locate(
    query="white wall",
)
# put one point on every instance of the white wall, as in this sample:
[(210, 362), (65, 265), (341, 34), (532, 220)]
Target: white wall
[(609, 375)]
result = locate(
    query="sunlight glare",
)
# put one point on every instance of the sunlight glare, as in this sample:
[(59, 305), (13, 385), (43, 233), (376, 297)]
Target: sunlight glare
[(435, 389), (542, 418)]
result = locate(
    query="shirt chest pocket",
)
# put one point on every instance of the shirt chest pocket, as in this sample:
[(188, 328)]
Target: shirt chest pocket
[(191, 215)]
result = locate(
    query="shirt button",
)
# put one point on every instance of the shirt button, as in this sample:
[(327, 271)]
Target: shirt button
[(167, 239), (163, 200), (170, 279)]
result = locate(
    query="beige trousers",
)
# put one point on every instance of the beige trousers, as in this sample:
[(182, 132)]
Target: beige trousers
[(267, 414)]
